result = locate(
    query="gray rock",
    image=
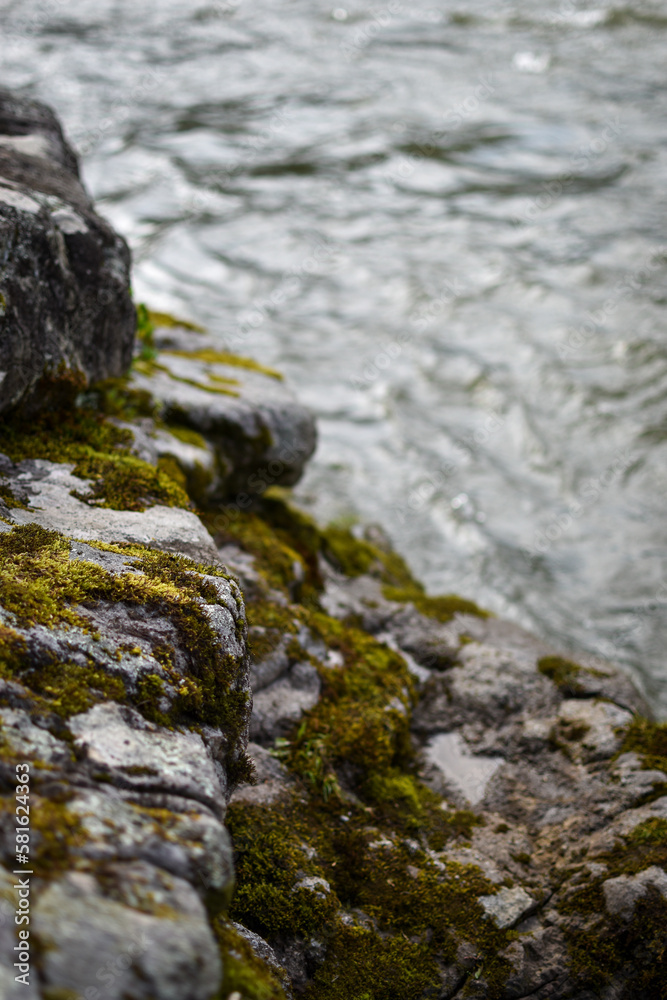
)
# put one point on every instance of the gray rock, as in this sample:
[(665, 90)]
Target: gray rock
[(266, 954), (52, 506), (9, 939), (621, 894), (137, 754), (27, 740), (65, 310), (120, 825), (277, 707), (261, 435), (272, 780), (462, 772), (270, 667), (507, 906), (148, 940)]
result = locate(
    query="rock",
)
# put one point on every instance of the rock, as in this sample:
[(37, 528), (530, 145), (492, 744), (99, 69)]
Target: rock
[(260, 434), (266, 954), (507, 906), (466, 774), (151, 942), (48, 489), (272, 780), (130, 752), (111, 699), (277, 707), (622, 893), (19, 734), (66, 316)]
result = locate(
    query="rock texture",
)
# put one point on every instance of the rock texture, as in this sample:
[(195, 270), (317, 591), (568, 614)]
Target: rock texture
[(48, 489), (549, 855), (66, 317), (130, 769), (255, 432)]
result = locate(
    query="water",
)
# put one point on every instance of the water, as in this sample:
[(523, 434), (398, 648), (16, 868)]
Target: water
[(443, 222)]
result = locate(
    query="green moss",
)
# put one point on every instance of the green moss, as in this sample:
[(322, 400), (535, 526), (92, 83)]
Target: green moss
[(63, 436), (55, 835), (149, 367), (613, 949), (270, 861), (187, 435), (274, 552), (127, 483), (9, 500), (166, 319), (652, 832), (563, 673), (407, 897), (649, 740), (461, 822), (40, 584), (441, 608), (225, 358), (99, 451), (243, 972), (364, 966), (362, 717), (354, 557), (361, 819), (68, 688), (278, 536)]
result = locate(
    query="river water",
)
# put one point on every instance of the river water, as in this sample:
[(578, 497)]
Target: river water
[(445, 223)]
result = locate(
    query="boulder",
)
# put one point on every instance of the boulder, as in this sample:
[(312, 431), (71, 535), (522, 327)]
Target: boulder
[(66, 316)]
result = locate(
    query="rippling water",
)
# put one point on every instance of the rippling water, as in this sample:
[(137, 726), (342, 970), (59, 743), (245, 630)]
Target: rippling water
[(445, 222)]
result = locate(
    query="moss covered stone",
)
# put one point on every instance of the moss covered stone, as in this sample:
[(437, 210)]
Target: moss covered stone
[(100, 452)]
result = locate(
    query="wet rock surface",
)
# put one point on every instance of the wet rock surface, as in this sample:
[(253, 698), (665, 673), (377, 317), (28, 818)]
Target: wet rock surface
[(66, 317)]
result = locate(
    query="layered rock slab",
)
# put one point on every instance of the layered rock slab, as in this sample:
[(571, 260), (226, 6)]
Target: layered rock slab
[(259, 433)]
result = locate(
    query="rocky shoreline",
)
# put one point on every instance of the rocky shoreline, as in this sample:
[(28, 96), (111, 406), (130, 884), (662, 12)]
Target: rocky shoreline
[(263, 763)]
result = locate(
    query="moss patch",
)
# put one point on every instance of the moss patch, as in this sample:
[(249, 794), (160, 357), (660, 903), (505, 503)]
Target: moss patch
[(611, 949), (100, 452), (442, 608), (9, 500), (363, 965), (278, 536), (243, 972), (563, 673), (354, 557), (39, 584), (225, 358), (649, 740), (363, 821)]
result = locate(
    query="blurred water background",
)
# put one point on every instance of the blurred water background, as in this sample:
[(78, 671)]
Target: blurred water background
[(445, 223)]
